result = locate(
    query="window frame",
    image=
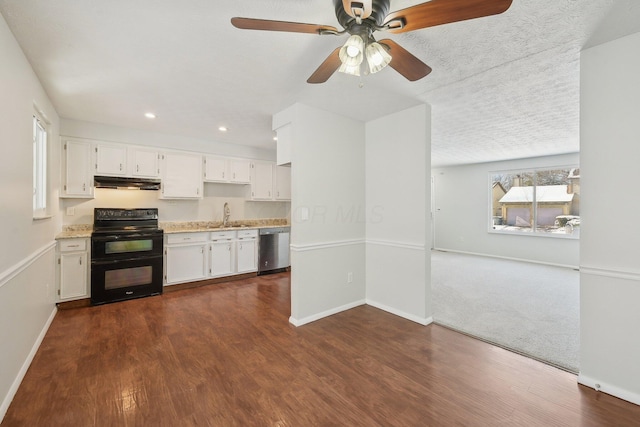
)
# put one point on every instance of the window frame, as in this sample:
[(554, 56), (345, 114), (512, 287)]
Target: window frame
[(533, 232), (40, 166)]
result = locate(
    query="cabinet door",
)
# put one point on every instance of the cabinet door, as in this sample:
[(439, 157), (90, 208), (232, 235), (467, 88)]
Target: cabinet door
[(181, 176), (78, 174), (185, 263), (111, 160), (283, 183), (221, 258), (144, 163), (215, 169), (247, 255), (239, 171), (262, 181), (73, 275)]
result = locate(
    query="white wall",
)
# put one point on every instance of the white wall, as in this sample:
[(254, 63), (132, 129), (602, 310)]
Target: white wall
[(27, 279), (209, 208), (328, 183), (461, 215), (398, 159), (609, 264)]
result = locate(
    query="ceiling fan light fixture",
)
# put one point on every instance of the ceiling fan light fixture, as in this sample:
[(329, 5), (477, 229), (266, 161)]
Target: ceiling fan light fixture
[(353, 70), (352, 53), (377, 57)]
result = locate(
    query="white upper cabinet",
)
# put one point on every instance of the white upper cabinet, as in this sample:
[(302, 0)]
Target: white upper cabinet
[(126, 161), (78, 174), (215, 169), (282, 183), (144, 162), (181, 176), (110, 159), (284, 145), (262, 180), (239, 171), (228, 170)]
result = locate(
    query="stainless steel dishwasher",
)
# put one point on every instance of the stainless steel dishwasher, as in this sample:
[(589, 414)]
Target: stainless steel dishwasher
[(273, 249)]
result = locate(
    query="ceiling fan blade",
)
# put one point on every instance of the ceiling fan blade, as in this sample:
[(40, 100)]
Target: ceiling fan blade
[(357, 9), (404, 62), (438, 12), (327, 68), (291, 27)]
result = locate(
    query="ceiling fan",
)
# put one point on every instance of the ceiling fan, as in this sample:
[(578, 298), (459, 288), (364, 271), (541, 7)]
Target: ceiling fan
[(362, 18)]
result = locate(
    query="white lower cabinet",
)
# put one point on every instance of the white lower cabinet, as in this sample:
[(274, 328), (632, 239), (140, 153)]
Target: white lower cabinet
[(185, 257), (190, 257), (247, 251), (222, 253), (73, 269)]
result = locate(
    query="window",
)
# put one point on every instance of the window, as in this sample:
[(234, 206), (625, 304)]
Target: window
[(39, 167), (538, 201)]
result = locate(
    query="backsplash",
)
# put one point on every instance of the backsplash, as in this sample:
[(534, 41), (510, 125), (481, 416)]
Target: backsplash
[(209, 208)]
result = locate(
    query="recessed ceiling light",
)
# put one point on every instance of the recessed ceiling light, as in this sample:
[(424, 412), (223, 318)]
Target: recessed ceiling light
[(223, 129), (150, 115)]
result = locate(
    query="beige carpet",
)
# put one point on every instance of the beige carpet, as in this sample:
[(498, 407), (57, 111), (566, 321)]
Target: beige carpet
[(529, 308)]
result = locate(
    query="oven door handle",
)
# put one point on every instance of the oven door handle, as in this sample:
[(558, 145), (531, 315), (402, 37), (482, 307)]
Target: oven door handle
[(119, 238), (121, 260)]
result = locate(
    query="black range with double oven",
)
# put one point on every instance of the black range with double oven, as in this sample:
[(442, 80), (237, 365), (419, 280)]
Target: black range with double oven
[(126, 254)]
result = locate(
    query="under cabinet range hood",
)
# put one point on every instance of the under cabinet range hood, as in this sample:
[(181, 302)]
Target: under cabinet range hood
[(122, 183)]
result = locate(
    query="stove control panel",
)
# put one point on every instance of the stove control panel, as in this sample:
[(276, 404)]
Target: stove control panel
[(114, 214)]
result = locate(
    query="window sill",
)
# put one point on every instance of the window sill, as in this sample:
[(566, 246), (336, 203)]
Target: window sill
[(574, 236), (41, 217)]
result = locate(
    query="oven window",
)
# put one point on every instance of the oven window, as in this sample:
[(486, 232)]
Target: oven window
[(125, 277), (125, 246)]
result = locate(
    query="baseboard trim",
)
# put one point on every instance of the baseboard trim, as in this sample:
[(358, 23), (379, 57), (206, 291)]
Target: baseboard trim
[(421, 320), (25, 366), (618, 392), (573, 267), (18, 268), (327, 313)]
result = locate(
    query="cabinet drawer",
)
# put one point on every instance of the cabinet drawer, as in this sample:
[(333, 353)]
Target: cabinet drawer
[(247, 233), (186, 238), (72, 245), (223, 235)]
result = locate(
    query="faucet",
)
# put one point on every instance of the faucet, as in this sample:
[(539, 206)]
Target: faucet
[(227, 214)]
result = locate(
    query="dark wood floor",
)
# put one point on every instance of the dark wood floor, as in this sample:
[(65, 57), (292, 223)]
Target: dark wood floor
[(225, 355)]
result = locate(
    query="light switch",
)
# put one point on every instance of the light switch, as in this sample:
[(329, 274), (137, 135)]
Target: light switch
[(304, 214)]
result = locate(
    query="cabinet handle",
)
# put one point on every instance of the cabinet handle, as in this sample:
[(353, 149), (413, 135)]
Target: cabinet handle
[(84, 187), (80, 261), (120, 166), (137, 168), (73, 246), (223, 175)]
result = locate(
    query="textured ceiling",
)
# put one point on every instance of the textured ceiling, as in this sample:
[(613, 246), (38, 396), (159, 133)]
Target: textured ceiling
[(502, 87)]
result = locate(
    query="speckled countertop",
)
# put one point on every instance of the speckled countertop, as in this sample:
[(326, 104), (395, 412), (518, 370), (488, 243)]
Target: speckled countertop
[(247, 224), (84, 230)]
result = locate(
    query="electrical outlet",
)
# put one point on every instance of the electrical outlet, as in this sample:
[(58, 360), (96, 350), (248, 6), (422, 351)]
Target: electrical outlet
[(350, 277), (71, 211)]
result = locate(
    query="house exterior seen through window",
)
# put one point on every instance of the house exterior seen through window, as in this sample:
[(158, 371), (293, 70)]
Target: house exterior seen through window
[(540, 201), (39, 168)]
